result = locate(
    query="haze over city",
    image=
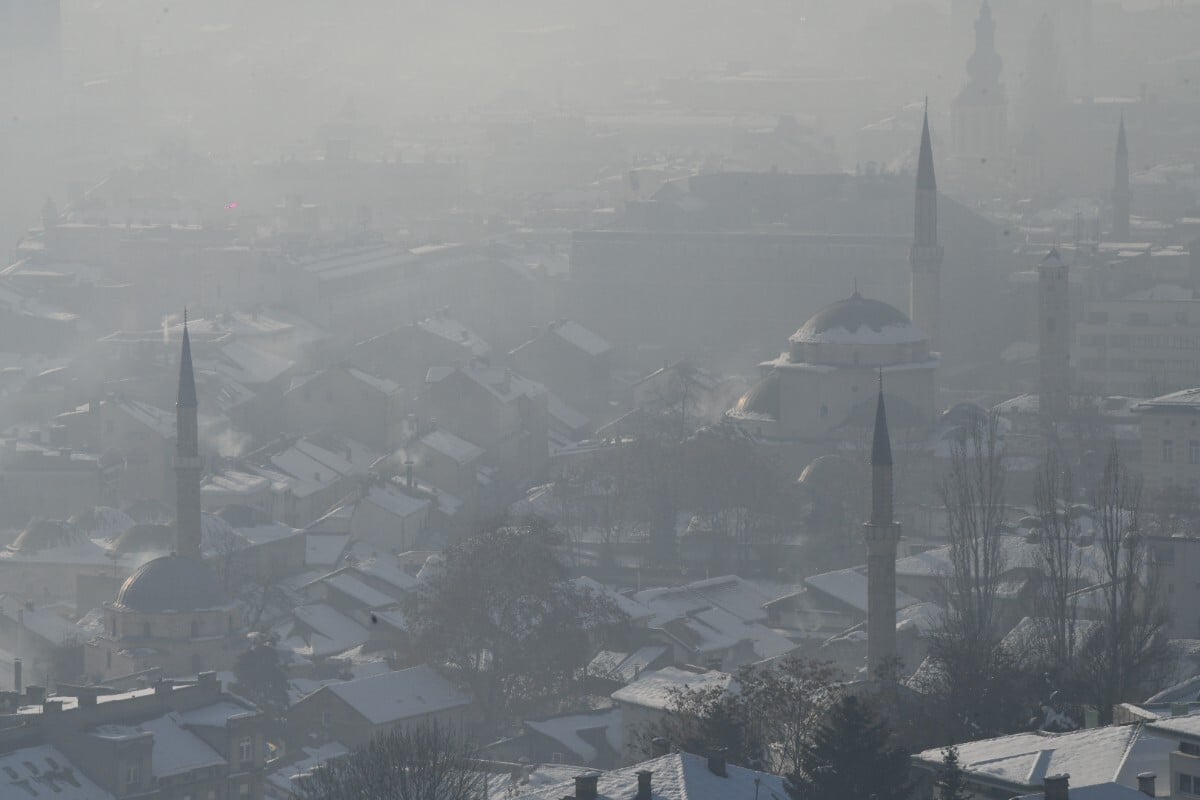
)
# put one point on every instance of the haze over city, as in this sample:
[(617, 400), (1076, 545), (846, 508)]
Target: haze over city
[(776, 399)]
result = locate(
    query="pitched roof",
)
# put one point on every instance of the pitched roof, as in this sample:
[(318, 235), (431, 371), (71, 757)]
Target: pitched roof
[(679, 776), (403, 694), (657, 689)]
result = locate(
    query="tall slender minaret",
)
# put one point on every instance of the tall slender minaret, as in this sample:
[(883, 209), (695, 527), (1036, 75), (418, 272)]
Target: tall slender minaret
[(187, 457), (925, 256), (882, 534), (1122, 196), (1054, 339)]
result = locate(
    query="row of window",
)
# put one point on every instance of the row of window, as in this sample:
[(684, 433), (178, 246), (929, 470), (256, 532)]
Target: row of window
[(1168, 452), (1189, 784)]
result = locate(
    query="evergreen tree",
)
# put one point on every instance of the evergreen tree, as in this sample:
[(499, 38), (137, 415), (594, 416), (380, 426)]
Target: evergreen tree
[(950, 779), (261, 679), (851, 757)]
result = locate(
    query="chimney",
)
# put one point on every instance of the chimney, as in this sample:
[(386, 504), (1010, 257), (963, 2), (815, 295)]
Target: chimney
[(659, 747), (1146, 783), (643, 792), (409, 480), (17, 675), (585, 786), (716, 763), (163, 688), (51, 706), (1179, 709), (1091, 718), (207, 681), (86, 697), (34, 695), (1056, 787)]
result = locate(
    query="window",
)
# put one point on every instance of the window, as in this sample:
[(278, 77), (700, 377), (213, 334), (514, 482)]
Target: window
[(326, 718), (133, 774), (245, 748), (1168, 451), (1194, 452), (824, 411)]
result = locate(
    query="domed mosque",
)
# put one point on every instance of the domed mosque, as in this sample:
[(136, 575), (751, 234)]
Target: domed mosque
[(822, 388), (172, 613)]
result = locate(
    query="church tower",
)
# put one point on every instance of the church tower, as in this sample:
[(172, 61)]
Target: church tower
[(882, 534), (1122, 196), (979, 114), (1054, 336), (187, 457), (925, 256)]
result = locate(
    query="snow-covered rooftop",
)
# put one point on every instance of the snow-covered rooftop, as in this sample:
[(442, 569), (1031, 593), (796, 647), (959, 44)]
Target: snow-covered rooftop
[(657, 689), (45, 771), (403, 694), (850, 587)]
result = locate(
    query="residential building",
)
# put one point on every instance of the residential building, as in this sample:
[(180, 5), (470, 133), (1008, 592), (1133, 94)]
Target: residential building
[(352, 712), (1170, 437)]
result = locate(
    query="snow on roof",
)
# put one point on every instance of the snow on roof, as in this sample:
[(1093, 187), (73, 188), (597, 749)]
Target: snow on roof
[(451, 446), (624, 667), (247, 364), (156, 419), (399, 695), (587, 341), (284, 779), (1097, 755), (679, 776), (1098, 791), (176, 750), (564, 414), (232, 481), (657, 689), (670, 602), (216, 715), (394, 501), (920, 617), (566, 729), (454, 331), (1187, 725), (322, 549), (358, 591), (631, 608), (379, 384), (850, 587), (46, 771), (42, 622), (332, 631), (734, 594), (503, 384), (1185, 399), (267, 532), (388, 571)]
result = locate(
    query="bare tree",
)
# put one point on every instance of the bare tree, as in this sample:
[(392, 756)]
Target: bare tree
[(1131, 644), (426, 762), (973, 494), (1061, 560)]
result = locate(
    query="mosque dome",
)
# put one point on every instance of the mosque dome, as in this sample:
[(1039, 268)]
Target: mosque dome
[(762, 401), (858, 320), (172, 583)]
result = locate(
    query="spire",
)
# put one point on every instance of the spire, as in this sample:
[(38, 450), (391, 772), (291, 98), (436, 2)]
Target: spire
[(187, 379), (1122, 197), (1122, 148), (881, 446), (925, 177)]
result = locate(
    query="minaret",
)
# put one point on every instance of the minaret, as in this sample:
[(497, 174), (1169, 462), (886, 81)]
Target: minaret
[(1054, 336), (925, 256), (1122, 196), (882, 534), (187, 457)]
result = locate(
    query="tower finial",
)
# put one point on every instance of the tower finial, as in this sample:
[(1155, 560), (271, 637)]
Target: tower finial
[(185, 317)]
